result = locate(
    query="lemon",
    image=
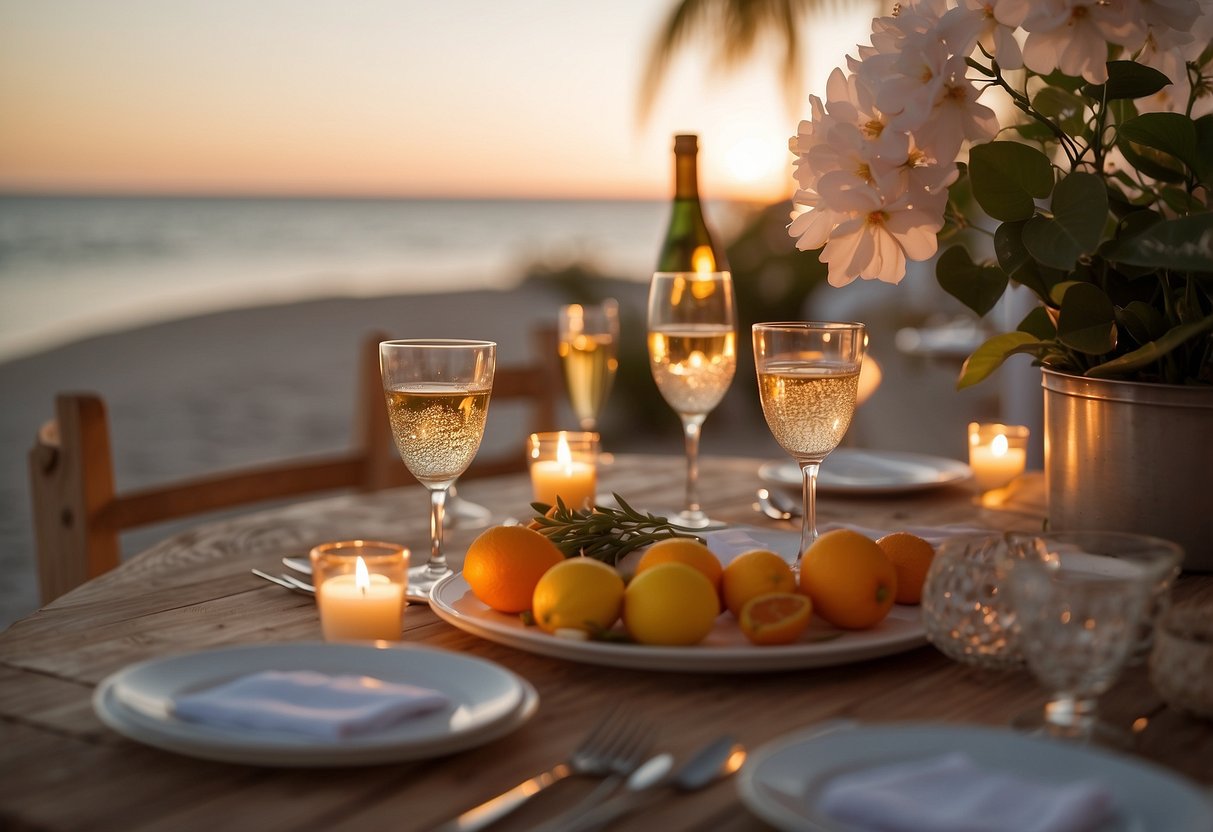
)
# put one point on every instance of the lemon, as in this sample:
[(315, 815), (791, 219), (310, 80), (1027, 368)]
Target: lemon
[(578, 594), (670, 604)]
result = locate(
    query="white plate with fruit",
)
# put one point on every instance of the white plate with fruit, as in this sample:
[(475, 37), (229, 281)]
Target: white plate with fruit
[(672, 615)]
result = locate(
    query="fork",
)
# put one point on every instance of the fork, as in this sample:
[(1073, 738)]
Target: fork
[(612, 750)]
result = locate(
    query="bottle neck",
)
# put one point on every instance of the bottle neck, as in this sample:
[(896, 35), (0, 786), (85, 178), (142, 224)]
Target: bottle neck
[(686, 176)]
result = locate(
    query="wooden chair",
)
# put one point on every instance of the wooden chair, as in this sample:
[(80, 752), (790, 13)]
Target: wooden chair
[(78, 515)]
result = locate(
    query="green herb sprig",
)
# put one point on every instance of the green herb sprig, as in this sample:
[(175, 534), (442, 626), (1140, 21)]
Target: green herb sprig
[(603, 533)]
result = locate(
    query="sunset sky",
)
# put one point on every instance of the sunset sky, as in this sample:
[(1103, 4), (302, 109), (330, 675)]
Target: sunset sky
[(461, 98)]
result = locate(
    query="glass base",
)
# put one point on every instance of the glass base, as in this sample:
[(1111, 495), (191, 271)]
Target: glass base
[(694, 520), (422, 578), (1053, 721)]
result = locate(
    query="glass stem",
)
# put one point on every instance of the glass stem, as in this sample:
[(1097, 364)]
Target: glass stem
[(690, 428), (436, 567), (808, 525), (1071, 715)]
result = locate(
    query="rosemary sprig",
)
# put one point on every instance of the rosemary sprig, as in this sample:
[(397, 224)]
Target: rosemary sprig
[(603, 533)]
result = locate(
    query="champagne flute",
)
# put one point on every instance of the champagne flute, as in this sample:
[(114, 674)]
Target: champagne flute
[(692, 326), (437, 394), (589, 339), (808, 379)]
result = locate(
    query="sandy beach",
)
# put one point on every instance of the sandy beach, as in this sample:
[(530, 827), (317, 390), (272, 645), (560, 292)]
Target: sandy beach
[(252, 385)]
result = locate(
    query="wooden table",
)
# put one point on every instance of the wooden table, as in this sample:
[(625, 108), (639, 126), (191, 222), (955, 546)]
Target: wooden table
[(62, 769)]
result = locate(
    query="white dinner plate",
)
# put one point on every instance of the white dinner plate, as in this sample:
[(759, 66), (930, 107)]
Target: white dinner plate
[(725, 650), (858, 471), (487, 702), (780, 781)]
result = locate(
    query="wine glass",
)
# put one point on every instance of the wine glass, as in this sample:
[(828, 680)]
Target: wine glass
[(437, 394), (1081, 600), (589, 342), (808, 379), (692, 326)]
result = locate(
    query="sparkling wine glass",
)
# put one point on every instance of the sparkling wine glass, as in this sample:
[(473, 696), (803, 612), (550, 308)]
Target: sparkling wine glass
[(589, 342), (1081, 600), (808, 379), (437, 394), (692, 327)]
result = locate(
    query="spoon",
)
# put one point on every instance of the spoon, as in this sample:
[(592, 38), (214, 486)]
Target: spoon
[(717, 759), (775, 506)]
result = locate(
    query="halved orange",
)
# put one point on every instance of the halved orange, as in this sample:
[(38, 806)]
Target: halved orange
[(775, 618)]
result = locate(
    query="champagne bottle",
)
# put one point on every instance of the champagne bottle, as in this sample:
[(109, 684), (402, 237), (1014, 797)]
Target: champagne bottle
[(688, 244)]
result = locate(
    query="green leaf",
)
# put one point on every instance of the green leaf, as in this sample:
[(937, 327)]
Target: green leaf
[(1080, 210), (1087, 322), (1007, 176), (1057, 104), (1183, 244), (1150, 162), (1038, 323), (1147, 354), (1172, 133), (1033, 131), (1142, 321), (1017, 262), (1057, 78), (976, 286), (1127, 79), (989, 356), (1204, 149)]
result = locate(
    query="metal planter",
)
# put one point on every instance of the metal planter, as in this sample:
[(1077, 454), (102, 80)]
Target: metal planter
[(1127, 456)]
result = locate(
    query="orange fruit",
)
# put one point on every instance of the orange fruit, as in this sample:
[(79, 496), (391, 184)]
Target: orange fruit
[(682, 550), (752, 574), (578, 594), (911, 557), (504, 563), (849, 579), (670, 603), (775, 618)]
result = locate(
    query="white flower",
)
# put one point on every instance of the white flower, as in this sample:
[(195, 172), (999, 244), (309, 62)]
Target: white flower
[(996, 35), (1073, 35)]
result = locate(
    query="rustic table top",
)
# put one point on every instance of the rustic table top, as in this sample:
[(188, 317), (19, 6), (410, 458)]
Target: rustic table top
[(64, 770)]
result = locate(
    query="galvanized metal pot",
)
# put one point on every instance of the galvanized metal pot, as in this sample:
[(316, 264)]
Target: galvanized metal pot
[(1127, 456)]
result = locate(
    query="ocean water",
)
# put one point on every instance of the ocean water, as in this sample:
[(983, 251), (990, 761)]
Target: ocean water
[(74, 267)]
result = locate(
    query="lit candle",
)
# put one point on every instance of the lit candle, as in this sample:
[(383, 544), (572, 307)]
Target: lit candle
[(997, 454), (360, 607), (574, 480)]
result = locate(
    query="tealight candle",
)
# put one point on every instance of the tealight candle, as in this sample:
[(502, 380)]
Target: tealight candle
[(564, 464), (360, 589), (997, 453)]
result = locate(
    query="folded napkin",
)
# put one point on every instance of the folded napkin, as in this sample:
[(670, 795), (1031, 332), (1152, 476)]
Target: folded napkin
[(307, 702), (727, 544), (952, 793)]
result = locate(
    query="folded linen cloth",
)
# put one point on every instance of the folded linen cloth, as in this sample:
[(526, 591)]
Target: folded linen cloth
[(307, 702), (727, 544), (953, 793)]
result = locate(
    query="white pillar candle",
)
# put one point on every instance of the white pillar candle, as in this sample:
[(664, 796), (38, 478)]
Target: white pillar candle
[(361, 606), (574, 478), (995, 463)]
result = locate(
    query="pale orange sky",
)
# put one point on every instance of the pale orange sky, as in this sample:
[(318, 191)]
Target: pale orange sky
[(465, 98)]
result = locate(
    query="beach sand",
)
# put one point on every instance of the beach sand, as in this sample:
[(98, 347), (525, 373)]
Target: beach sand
[(246, 386)]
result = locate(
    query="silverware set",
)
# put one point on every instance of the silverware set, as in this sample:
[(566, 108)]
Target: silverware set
[(777, 505), (287, 580), (617, 750)]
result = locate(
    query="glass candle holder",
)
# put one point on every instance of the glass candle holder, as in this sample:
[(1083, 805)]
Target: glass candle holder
[(564, 464), (997, 453), (360, 588)]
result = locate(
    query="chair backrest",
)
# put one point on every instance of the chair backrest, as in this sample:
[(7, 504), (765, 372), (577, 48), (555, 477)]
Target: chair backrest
[(78, 514)]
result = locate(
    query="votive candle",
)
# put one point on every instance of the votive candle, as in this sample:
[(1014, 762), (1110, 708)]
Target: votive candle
[(997, 453), (360, 589), (564, 464)]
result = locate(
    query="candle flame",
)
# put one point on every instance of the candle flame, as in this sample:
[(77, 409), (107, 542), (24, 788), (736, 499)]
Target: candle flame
[(362, 578), (564, 457), (999, 446)]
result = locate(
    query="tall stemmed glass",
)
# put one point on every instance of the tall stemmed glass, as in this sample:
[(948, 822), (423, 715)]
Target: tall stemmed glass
[(693, 355), (808, 378), (589, 343), (437, 400)]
